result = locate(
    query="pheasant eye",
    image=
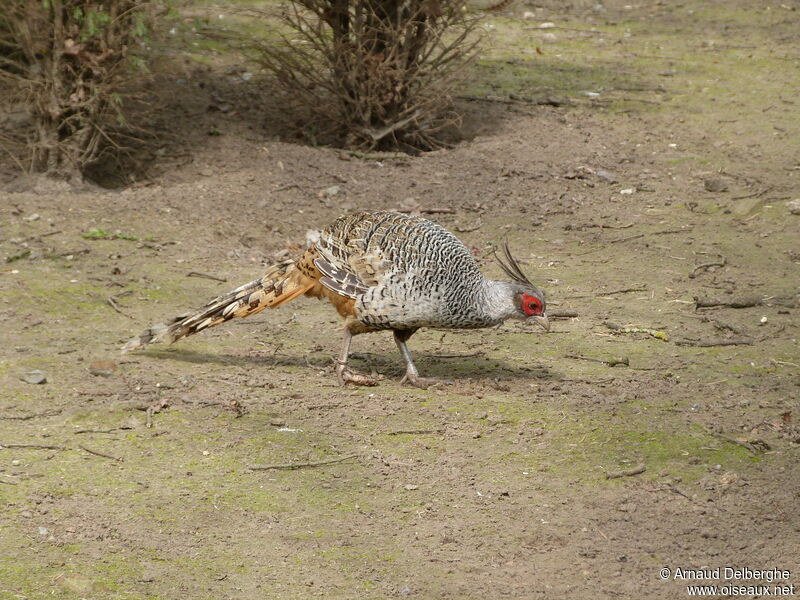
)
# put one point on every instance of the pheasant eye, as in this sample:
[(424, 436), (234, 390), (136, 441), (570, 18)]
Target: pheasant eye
[(531, 305)]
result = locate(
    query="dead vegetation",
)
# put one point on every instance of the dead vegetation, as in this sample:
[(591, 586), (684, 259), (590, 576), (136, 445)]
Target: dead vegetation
[(377, 74), (64, 69)]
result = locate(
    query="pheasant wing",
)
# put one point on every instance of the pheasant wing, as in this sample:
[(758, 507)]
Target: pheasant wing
[(341, 281)]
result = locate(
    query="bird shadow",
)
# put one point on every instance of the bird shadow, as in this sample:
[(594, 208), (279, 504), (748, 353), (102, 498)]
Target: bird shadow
[(454, 367)]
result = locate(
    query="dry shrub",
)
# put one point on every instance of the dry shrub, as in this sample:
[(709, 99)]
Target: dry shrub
[(378, 73), (64, 66)]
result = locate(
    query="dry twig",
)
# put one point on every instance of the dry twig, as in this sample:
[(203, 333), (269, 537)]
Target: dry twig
[(34, 446), (708, 265), (734, 302), (754, 448), (638, 469), (113, 304), (46, 413), (637, 288), (738, 341), (414, 431), (613, 362), (205, 276), (563, 313), (291, 466), (96, 453)]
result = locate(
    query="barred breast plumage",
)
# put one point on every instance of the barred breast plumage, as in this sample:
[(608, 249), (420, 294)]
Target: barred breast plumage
[(380, 270), (414, 273)]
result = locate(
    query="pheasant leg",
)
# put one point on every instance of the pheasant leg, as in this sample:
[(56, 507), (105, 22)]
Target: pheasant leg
[(412, 375), (343, 372)]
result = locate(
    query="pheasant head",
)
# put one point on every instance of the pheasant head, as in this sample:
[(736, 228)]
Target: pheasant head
[(529, 301)]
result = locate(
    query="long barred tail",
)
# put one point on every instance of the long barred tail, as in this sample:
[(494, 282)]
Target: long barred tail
[(280, 284)]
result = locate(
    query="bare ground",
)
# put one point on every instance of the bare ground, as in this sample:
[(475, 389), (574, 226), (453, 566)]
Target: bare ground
[(495, 486)]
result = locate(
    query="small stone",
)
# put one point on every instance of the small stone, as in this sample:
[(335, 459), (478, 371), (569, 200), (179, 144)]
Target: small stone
[(715, 185), (33, 217), (15, 463), (411, 486), (794, 206), (34, 377), (26, 514), (606, 176), (627, 191), (102, 368), (43, 531), (547, 25), (206, 452), (475, 435), (277, 422), (329, 192), (763, 321)]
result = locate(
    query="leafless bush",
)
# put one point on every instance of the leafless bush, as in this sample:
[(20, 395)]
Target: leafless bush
[(376, 72), (64, 65)]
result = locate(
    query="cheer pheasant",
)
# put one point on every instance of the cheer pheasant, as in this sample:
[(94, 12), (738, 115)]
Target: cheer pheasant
[(380, 270)]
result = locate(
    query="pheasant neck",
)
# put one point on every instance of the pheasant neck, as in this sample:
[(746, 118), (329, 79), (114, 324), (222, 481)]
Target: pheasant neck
[(496, 301)]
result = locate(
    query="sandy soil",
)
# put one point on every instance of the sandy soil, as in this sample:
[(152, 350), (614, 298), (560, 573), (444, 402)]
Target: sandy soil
[(129, 477)]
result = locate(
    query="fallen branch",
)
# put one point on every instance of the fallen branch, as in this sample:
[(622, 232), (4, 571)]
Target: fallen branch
[(42, 235), (414, 431), (736, 302), (515, 99), (110, 430), (640, 235), (96, 453), (611, 362), (34, 446), (113, 304), (659, 335), (770, 334), (627, 239), (675, 489), (719, 324), (291, 466), (205, 276), (755, 448), (708, 265), (562, 313), (641, 288), (637, 470), (754, 194), (46, 413), (469, 355), (379, 156), (740, 341), (784, 363)]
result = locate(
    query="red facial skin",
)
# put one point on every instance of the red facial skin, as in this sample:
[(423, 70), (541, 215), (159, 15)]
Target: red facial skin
[(531, 306)]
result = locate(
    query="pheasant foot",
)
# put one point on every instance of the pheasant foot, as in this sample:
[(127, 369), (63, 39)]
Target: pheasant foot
[(345, 376), (422, 383)]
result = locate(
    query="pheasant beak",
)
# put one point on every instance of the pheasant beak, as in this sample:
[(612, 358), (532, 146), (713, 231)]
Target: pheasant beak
[(541, 321)]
